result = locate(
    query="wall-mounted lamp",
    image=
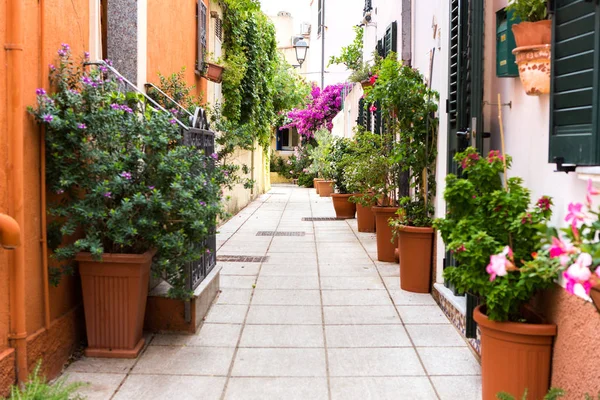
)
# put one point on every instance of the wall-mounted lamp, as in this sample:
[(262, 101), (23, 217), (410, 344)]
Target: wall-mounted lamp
[(301, 47)]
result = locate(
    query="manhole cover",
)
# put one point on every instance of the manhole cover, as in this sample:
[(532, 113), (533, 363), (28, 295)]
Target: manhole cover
[(277, 233), (250, 259), (317, 219)]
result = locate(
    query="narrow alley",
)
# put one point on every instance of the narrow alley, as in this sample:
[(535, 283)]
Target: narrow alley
[(308, 315)]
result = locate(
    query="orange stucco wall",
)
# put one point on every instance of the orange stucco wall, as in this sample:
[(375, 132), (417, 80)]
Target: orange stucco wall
[(63, 21), (172, 41)]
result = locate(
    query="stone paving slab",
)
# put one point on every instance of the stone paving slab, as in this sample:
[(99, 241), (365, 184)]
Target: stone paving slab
[(319, 319)]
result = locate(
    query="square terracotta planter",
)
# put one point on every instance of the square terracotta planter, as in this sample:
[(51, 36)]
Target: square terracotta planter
[(114, 301)]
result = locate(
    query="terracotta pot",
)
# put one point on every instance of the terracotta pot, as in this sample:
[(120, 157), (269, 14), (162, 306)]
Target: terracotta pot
[(533, 33), (365, 218), (315, 183), (343, 207), (385, 247), (366, 83), (325, 188), (114, 302), (415, 247), (534, 68), (514, 356), (214, 72)]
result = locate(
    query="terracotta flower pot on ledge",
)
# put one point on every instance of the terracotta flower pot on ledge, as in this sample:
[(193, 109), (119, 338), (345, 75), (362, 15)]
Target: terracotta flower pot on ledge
[(533, 33), (534, 68), (114, 301), (343, 207), (514, 356), (325, 188), (214, 72), (415, 246), (385, 247)]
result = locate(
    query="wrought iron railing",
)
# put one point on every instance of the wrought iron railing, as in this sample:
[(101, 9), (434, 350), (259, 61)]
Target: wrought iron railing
[(195, 132)]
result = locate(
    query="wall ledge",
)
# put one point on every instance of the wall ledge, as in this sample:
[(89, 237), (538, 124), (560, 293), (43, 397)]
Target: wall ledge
[(587, 173)]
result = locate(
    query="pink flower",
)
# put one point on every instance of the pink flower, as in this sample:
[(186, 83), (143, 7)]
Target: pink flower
[(591, 191), (372, 108), (494, 155), (500, 264), (578, 275), (575, 214), (562, 250), (544, 203)]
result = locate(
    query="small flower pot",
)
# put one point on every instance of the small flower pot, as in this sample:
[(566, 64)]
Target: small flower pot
[(534, 68), (342, 205), (325, 188), (515, 356), (315, 183), (114, 302), (533, 33), (415, 246), (366, 83), (385, 247), (365, 219), (214, 72)]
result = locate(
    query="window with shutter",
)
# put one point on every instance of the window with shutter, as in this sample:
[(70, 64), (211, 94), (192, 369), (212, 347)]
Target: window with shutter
[(390, 40), (201, 39), (574, 117)]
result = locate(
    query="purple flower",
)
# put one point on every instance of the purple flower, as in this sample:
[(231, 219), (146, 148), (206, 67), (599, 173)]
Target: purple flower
[(126, 109), (115, 106), (62, 53), (120, 79), (65, 46), (51, 67), (214, 156), (107, 194), (203, 204), (40, 92), (151, 187), (60, 191), (81, 126), (173, 121), (207, 251), (47, 117), (74, 91), (86, 54), (103, 69), (125, 175), (88, 81), (109, 62)]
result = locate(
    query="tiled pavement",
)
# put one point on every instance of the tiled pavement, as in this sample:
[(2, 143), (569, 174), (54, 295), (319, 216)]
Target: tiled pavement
[(319, 319)]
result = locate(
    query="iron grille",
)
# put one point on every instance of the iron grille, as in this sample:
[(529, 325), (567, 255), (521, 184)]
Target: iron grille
[(277, 233), (249, 259), (219, 28), (201, 137), (322, 219)]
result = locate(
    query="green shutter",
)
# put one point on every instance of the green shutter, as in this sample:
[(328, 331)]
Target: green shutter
[(361, 117), (574, 90), (390, 39)]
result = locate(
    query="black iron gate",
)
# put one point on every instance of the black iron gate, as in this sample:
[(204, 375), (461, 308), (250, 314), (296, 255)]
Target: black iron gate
[(200, 136)]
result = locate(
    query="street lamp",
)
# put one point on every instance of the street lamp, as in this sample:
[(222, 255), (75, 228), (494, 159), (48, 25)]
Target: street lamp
[(301, 46)]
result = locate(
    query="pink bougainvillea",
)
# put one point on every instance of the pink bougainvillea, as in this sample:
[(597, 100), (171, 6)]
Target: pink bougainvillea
[(319, 112)]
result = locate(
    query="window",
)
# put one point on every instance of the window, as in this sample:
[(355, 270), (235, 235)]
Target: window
[(390, 40), (201, 39), (574, 103), (287, 139), (219, 28)]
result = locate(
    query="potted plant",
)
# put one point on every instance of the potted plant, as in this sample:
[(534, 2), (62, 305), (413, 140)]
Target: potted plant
[(212, 69), (533, 36), (320, 163), (340, 148), (491, 223), (416, 153), (129, 194)]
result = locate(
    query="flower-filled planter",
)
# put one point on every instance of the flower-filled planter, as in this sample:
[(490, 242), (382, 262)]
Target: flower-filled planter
[(515, 356), (214, 72), (533, 38), (114, 300)]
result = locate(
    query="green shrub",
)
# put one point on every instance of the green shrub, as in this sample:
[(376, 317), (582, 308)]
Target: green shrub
[(36, 388)]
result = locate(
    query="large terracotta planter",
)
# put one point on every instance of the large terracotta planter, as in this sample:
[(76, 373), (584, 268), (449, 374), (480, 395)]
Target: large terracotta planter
[(514, 357), (415, 247), (534, 68), (385, 247), (315, 183), (325, 188), (114, 302), (342, 205), (533, 33), (365, 219), (595, 295), (214, 72)]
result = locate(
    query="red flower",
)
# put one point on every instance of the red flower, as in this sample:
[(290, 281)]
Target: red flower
[(373, 79)]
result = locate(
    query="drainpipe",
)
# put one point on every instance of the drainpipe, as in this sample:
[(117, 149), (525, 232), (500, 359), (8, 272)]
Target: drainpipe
[(15, 129), (407, 15), (322, 22), (44, 238)]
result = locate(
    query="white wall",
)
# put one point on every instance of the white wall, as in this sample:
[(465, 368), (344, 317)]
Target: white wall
[(340, 17), (345, 121)]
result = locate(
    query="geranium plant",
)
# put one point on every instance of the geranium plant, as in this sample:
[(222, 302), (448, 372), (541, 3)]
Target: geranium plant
[(340, 148), (319, 155), (122, 178), (492, 229), (529, 10)]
